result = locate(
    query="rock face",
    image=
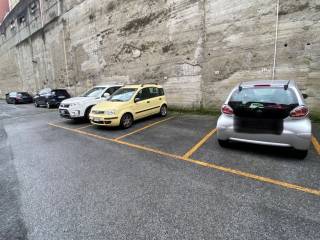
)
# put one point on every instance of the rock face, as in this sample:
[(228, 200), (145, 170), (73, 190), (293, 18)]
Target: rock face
[(197, 49)]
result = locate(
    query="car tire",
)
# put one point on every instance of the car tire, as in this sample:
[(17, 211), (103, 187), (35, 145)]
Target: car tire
[(48, 105), (223, 143), (87, 112), (163, 111), (126, 121), (301, 154)]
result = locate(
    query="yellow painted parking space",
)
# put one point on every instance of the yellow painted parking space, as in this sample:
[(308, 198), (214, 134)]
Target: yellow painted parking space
[(200, 163), (143, 128), (89, 125), (199, 144), (316, 144)]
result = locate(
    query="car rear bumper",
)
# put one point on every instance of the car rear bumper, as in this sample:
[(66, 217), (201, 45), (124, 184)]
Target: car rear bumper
[(296, 134)]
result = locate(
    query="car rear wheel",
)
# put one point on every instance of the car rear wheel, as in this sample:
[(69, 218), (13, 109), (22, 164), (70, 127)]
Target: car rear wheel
[(126, 121), (223, 143), (163, 111)]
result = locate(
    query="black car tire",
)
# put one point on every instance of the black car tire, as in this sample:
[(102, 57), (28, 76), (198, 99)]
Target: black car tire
[(126, 121), (223, 143), (87, 112), (301, 154), (163, 110)]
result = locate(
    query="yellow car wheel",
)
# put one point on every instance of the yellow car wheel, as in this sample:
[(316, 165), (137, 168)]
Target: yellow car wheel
[(126, 121), (163, 111)]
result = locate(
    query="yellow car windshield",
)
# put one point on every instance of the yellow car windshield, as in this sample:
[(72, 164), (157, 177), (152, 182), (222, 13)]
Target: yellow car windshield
[(123, 95)]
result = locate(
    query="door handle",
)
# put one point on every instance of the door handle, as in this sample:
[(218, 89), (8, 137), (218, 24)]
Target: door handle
[(148, 101)]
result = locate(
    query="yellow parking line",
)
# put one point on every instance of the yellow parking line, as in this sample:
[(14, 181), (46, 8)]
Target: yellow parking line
[(199, 144), (84, 127), (316, 144), (201, 163), (141, 129)]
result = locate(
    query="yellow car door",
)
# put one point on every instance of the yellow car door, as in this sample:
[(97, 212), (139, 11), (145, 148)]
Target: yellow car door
[(155, 100), (142, 103)]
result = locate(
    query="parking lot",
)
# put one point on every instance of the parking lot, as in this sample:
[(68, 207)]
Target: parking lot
[(164, 178)]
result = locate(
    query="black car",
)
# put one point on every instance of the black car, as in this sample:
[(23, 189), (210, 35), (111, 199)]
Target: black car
[(18, 97), (50, 97)]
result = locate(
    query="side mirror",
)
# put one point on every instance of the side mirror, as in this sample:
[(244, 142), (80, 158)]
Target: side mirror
[(106, 95), (137, 100), (305, 96)]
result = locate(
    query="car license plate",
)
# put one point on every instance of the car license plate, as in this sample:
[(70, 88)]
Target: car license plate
[(97, 119), (61, 97), (63, 111)]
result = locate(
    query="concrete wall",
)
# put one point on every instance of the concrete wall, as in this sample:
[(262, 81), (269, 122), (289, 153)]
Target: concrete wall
[(197, 49)]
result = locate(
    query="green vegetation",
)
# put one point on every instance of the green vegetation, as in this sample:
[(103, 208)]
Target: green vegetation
[(315, 116), (199, 111)]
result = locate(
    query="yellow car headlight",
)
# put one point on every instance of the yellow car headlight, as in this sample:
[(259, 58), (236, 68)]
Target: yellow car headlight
[(110, 112)]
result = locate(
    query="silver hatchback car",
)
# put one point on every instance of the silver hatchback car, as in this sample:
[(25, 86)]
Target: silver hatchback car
[(267, 113)]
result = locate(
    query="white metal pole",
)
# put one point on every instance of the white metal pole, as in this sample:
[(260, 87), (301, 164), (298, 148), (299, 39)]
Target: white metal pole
[(276, 42)]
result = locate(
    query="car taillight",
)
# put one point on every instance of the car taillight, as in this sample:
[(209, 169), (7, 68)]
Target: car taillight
[(299, 112), (226, 109)]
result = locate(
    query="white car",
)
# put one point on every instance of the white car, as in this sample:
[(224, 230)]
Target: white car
[(80, 107)]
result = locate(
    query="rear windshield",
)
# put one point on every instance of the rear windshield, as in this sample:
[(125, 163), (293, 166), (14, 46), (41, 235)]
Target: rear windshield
[(265, 95), (263, 102)]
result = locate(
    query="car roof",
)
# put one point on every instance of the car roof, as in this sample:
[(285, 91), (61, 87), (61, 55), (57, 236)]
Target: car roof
[(268, 82), (108, 85), (142, 85)]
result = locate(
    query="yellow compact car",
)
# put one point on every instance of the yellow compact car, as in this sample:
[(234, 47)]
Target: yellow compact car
[(128, 104)]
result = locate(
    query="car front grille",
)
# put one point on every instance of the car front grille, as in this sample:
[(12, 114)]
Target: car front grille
[(97, 112)]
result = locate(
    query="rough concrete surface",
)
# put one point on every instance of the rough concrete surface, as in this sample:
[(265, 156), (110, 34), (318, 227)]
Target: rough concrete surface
[(198, 49)]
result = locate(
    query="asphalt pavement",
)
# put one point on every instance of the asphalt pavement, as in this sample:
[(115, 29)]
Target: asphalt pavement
[(161, 179)]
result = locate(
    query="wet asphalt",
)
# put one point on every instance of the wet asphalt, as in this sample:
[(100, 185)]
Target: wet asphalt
[(60, 184)]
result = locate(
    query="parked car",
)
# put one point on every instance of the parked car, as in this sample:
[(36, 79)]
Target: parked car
[(50, 98), (18, 97), (80, 107), (128, 104), (267, 113)]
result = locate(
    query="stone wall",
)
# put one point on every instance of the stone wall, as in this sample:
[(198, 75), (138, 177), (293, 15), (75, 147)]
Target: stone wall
[(197, 49)]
